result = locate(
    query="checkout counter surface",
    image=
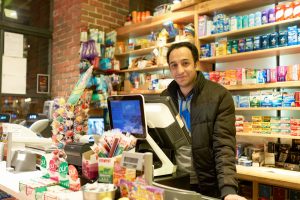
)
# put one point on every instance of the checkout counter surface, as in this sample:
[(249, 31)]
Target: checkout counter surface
[(9, 183)]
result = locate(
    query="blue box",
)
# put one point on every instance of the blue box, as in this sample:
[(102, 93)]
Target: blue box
[(241, 45), (277, 99), (288, 100), (283, 38), (205, 51), (249, 44), (257, 43), (265, 41), (273, 42), (244, 102), (292, 35)]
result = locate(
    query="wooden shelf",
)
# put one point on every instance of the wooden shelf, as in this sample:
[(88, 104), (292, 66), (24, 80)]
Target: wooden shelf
[(229, 6), (271, 176), (239, 32), (137, 52), (152, 68), (154, 23), (267, 135), (109, 71), (185, 4), (137, 91), (268, 108), (253, 54), (286, 84), (148, 49)]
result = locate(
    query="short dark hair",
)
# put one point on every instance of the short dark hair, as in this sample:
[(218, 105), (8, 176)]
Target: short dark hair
[(188, 45)]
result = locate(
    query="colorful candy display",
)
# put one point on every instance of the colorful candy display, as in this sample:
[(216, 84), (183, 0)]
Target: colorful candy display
[(70, 121)]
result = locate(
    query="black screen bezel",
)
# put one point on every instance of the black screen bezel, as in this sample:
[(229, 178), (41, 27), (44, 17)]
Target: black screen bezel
[(140, 98)]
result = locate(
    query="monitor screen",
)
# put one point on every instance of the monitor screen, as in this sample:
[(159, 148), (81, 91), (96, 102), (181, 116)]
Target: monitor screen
[(127, 114), (95, 126), (4, 117), (32, 117)]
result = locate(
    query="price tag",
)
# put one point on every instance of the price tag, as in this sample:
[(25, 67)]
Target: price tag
[(132, 160)]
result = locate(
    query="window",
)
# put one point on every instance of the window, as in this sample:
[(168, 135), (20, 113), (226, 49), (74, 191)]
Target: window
[(32, 19)]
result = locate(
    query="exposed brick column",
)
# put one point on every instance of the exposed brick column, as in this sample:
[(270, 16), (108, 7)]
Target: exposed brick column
[(69, 16)]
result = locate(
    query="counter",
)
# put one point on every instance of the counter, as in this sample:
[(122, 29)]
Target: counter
[(270, 176)]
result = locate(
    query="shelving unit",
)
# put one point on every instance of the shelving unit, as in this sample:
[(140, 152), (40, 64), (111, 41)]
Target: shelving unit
[(268, 108), (216, 62), (267, 135), (286, 84)]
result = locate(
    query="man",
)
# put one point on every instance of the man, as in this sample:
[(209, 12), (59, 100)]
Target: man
[(208, 111)]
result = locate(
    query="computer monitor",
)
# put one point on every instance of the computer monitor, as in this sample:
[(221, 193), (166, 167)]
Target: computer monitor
[(164, 123), (5, 117), (126, 112), (130, 114), (95, 125)]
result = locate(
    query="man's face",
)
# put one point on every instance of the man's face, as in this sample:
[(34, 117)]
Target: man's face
[(182, 67)]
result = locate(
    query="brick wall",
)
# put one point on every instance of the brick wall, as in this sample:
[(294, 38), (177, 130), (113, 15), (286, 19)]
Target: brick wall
[(69, 17)]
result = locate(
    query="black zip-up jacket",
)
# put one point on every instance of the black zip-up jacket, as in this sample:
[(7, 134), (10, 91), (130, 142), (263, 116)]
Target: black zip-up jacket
[(213, 136)]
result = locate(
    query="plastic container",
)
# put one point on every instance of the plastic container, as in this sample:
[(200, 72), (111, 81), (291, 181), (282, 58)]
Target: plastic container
[(95, 195)]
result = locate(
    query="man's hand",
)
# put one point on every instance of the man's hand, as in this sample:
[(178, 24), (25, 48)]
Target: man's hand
[(234, 197)]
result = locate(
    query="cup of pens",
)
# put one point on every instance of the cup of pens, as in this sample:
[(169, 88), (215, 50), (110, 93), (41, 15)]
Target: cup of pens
[(110, 147)]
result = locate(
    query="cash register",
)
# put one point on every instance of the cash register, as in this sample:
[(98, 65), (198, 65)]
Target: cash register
[(155, 122)]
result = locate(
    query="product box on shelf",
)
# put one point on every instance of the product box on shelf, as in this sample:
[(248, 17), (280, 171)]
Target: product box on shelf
[(277, 99), (255, 99), (292, 72), (244, 102), (266, 99), (202, 27), (292, 35), (288, 99), (281, 73), (273, 43), (282, 38)]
